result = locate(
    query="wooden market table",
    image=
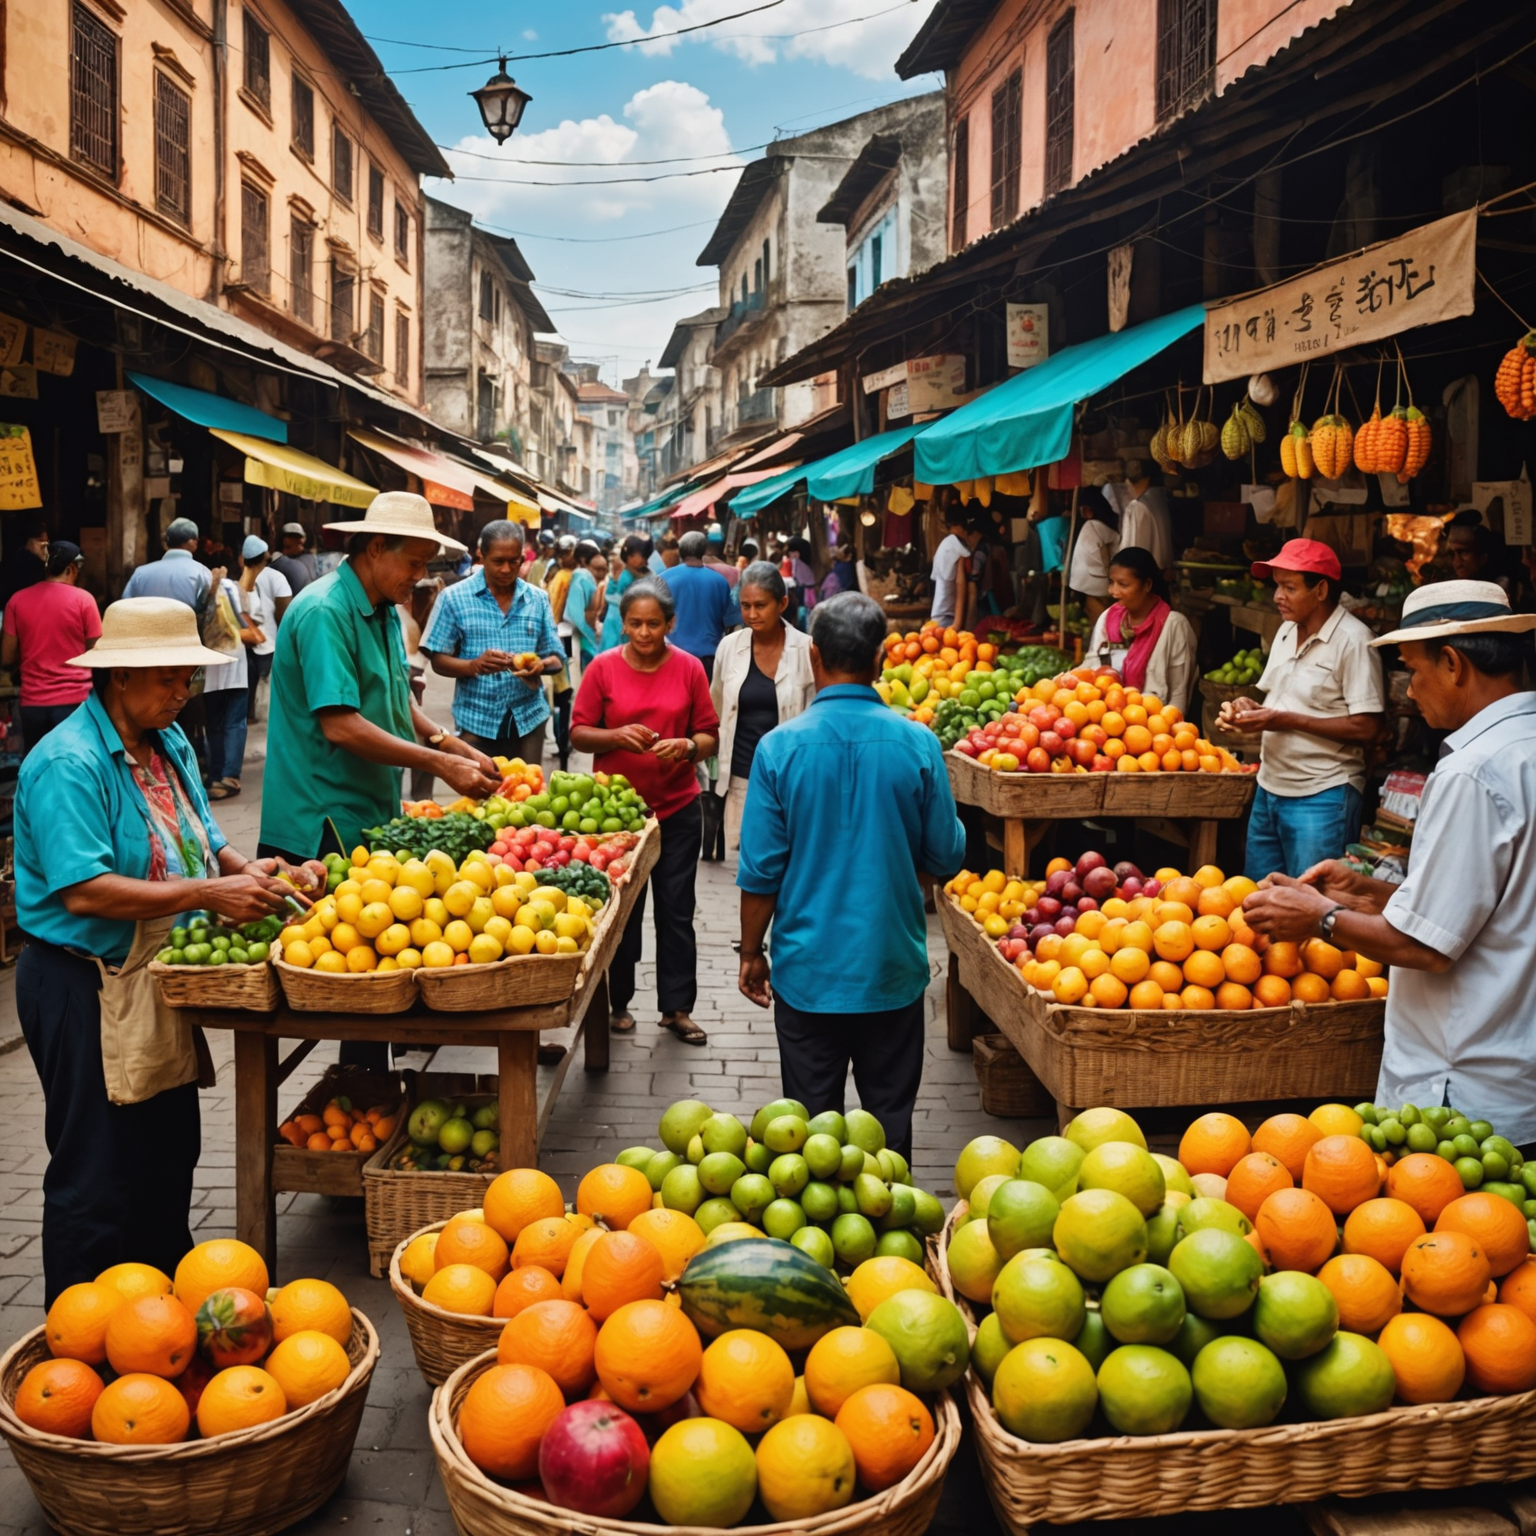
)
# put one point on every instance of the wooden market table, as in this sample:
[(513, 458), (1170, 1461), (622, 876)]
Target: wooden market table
[(259, 1070)]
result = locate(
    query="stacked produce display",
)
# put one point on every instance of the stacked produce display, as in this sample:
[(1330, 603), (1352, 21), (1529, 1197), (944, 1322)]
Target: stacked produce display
[(1244, 669), (928, 668), (203, 940), (443, 1136), (340, 1127)]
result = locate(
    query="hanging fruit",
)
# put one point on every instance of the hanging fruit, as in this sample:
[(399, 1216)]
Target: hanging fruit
[(1515, 382), (1332, 438), (1295, 450), (1161, 446), (1257, 431), (1235, 438), (1416, 433), (1367, 441)]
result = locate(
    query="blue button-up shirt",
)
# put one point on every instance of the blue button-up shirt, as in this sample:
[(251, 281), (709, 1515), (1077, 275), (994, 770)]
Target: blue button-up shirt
[(845, 805), (80, 814), (706, 608), (468, 621), (175, 575)]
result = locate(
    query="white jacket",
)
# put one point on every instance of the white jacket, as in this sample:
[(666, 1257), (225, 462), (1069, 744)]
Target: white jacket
[(793, 682)]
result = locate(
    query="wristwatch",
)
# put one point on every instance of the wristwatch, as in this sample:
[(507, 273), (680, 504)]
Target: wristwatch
[(693, 750), (437, 739), (1326, 922)]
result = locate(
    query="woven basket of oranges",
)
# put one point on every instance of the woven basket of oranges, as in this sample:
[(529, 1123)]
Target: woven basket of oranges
[(334, 1129)]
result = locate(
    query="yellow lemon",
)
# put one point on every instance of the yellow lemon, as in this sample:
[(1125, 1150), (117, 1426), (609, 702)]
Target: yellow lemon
[(424, 931), (374, 919), (483, 950), (405, 901), (408, 959), (362, 959), (345, 937), (550, 895), (505, 875), (458, 936), (521, 940), (388, 963), (375, 890), (327, 915), (460, 897), (480, 914), (313, 929), (545, 941), (478, 873), (332, 963), (437, 956), (394, 938), (499, 929), (384, 869), (292, 934), (435, 912), (299, 955), (569, 927), (347, 888), (360, 856), (567, 947), (525, 882), (320, 946), (415, 876)]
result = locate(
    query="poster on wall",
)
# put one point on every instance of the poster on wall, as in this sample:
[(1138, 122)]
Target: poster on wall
[(13, 338), (19, 489), (1029, 334), (117, 410), (53, 352), (935, 383), (18, 381)]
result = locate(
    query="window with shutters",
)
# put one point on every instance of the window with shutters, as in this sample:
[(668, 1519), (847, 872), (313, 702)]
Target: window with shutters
[(1007, 149), (402, 231), (301, 267), (962, 184), (375, 201), (487, 301), (403, 349), (341, 163), (373, 337), (258, 61), (255, 262), (1059, 102), (343, 297), (173, 150), (1186, 54), (303, 118), (93, 93)]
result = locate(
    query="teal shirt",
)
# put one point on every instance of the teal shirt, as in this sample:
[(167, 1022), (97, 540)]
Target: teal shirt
[(79, 814), (846, 803), (334, 650)]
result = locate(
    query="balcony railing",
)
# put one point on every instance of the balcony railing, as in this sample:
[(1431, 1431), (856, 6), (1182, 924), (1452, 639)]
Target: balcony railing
[(742, 311), (760, 405)]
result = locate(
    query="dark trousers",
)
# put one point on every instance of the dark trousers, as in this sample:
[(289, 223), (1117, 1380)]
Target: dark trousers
[(886, 1050), (529, 746), (563, 700), (672, 880), (227, 727), (119, 1179), (259, 667), (38, 719)]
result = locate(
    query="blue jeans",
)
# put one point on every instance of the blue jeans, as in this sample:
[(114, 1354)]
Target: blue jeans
[(225, 724), (1291, 833)]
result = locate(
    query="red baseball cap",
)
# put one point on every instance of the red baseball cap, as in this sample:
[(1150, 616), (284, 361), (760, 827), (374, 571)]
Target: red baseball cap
[(1301, 555)]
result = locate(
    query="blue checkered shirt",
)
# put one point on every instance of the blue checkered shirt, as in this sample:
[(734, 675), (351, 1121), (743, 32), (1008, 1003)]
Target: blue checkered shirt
[(468, 621)]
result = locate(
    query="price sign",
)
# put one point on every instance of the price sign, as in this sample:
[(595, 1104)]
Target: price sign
[(19, 489)]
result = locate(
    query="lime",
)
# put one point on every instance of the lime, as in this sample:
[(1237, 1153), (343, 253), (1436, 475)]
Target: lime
[(823, 1155), (694, 1151), (782, 1219), (1470, 1170), (817, 1200), (1351, 1376), (1203, 1212), (1094, 1127), (681, 1190), (851, 1164), (724, 1133), (1044, 1391), (829, 1123), (1127, 1169), (681, 1123), (903, 1208), (988, 1348), (771, 1111), (1163, 1227), (973, 1262), (864, 1130), (719, 1170), (815, 1243), (1021, 1214), (788, 1174), (1219, 1272), (980, 1202), (1193, 1335), (1238, 1383), (1294, 1314), (928, 1335), (1175, 1174), (1143, 1305), (1145, 1391), (1037, 1298), (757, 1157), (1099, 1233), (1094, 1339), (713, 1212), (901, 1243), (927, 1212), (752, 1194), (785, 1133), (1052, 1161), (853, 1239), (984, 1155)]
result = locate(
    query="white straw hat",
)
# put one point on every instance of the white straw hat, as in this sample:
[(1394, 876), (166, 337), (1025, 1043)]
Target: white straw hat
[(401, 514), (149, 632), (1457, 608)]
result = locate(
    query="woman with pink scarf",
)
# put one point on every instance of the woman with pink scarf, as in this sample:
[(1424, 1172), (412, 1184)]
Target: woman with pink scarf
[(1139, 634)]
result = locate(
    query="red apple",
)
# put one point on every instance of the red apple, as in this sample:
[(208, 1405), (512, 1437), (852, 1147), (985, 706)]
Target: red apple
[(1099, 883), (1038, 761), (1125, 870), (1030, 918), (1050, 743), (1055, 882), (1065, 728), (594, 1459), (1066, 923), (1049, 908), (1087, 904), (1151, 887), (1090, 860)]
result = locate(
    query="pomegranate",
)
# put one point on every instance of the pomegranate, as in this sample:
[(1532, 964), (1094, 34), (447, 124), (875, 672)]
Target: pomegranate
[(234, 1327), (594, 1459)]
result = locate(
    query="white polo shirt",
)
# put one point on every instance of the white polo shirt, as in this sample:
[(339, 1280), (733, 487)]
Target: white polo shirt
[(1335, 673), (1471, 894)]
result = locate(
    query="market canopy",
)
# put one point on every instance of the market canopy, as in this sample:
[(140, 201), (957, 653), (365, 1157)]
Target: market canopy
[(281, 468), (1027, 421), (706, 496), (209, 410), (849, 472), (445, 482)]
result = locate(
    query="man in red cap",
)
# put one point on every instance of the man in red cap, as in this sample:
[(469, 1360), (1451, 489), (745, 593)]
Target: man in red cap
[(1324, 703)]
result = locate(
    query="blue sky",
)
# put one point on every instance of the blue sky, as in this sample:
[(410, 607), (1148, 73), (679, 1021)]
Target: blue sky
[(695, 103)]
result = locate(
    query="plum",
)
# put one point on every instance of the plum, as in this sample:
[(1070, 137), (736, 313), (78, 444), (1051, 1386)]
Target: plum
[(1125, 870), (1090, 860), (1099, 882), (1070, 892), (1039, 931), (1130, 888), (1049, 908), (1031, 917), (1087, 904), (1066, 923), (1151, 887), (1055, 882)]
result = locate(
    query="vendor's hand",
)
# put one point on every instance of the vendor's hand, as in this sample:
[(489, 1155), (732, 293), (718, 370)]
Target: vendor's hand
[(1344, 886), (1240, 705), (248, 896), (309, 878), (1253, 719), (488, 662), (634, 738), (673, 749), (466, 776), (753, 979), (456, 746), (1287, 913)]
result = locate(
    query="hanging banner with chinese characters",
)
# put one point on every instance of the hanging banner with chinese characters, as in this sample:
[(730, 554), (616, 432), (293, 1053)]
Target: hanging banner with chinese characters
[(1415, 279), (18, 470)]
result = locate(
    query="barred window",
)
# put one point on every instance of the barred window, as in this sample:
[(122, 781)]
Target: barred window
[(303, 118), (1007, 115), (341, 163), (173, 150), (1060, 100), (375, 201), (402, 231), (403, 349), (301, 263), (962, 184), (93, 93), (258, 61), (1186, 54), (343, 295), (255, 264), (373, 337)]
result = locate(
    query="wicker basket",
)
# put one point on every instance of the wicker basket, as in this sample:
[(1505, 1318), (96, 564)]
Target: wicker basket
[(311, 991), (1122, 1477), (247, 1483), (442, 1341), (248, 988), (482, 1507), (1224, 693), (1009, 1089), (524, 981), (334, 1173)]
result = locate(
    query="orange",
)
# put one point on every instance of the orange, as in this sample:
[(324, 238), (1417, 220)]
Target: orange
[(1383, 1228), (1137, 934), (307, 1365), (570, 1281), (1519, 1288), (57, 1396), (1216, 901), (1283, 959), (1308, 988), (1108, 991), (302, 1305), (1342, 1172), (131, 1281), (1194, 997), (215, 1265), (504, 1416), (1254, 1179), (1377, 985), (1445, 1273), (746, 1380), (614, 1195), (522, 1288), (140, 1409), (1426, 1357), (1232, 994), (154, 1334), (647, 1356), (1297, 1229), (462, 1288), (557, 1336), (466, 1240), (621, 1267), (1367, 1295), (1495, 1222), (675, 1235), (890, 1430), (1204, 969), (1214, 1144), (1182, 888), (1211, 932), (1172, 912), (1288, 1138), (1242, 964), (1271, 991), (1130, 965), (1208, 877), (239, 1398), (1500, 1345), (843, 1361), (1322, 958), (547, 1242), (520, 1196), (1348, 986), (1426, 1182), (1167, 975), (1146, 994), (76, 1326), (1173, 941)]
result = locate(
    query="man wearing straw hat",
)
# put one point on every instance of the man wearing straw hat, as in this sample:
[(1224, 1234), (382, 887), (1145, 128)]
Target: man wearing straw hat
[(1461, 1010)]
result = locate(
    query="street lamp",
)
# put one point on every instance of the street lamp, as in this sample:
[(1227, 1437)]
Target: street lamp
[(501, 104)]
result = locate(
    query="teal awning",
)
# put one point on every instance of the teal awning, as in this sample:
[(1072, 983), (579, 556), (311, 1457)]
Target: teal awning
[(212, 411), (1027, 421), (659, 503), (850, 472)]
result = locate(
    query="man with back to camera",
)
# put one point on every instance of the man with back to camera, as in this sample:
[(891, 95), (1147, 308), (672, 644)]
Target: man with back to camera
[(714, 555), (1324, 705), (294, 562), (848, 773), (952, 565), (177, 574), (706, 607)]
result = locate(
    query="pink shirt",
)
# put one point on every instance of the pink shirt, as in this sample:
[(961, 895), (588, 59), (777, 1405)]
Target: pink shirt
[(52, 621)]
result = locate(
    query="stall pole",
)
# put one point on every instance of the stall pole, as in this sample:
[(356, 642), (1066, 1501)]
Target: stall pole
[(1066, 566)]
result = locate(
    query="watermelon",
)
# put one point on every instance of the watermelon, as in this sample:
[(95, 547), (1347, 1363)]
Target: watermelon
[(764, 1284)]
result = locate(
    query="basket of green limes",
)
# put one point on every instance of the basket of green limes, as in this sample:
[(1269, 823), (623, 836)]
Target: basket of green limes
[(206, 964)]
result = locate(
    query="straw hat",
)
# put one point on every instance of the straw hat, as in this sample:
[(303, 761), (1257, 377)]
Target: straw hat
[(1457, 608), (149, 632), (401, 514)]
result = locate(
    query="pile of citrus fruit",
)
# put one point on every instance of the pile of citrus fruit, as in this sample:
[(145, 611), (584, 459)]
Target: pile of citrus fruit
[(1098, 937), (642, 1359), (1293, 1270), (341, 1128), (141, 1358)]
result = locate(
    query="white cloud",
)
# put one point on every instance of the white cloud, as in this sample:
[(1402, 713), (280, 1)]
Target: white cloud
[(865, 36)]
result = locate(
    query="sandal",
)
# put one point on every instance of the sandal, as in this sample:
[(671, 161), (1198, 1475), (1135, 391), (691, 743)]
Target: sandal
[(622, 1023), (221, 791), (684, 1028)]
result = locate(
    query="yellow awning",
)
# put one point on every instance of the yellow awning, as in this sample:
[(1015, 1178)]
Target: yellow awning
[(446, 481), (281, 468)]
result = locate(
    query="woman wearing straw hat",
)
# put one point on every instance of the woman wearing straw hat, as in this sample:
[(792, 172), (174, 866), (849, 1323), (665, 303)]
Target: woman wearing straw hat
[(114, 839), (1460, 931)]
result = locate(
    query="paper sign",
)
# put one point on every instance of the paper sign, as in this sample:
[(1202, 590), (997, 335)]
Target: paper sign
[(19, 489), (117, 410), (19, 381), (13, 336), (1416, 279), (53, 352), (1516, 496), (935, 383), (1120, 285), (898, 402), (231, 492), (1029, 334), (873, 383)]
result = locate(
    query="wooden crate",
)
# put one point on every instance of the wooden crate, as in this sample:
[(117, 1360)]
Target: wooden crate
[(335, 1173), (1199, 796), (1009, 1089)]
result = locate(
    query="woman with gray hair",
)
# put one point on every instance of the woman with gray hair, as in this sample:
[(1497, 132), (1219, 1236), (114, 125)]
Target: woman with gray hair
[(762, 678)]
